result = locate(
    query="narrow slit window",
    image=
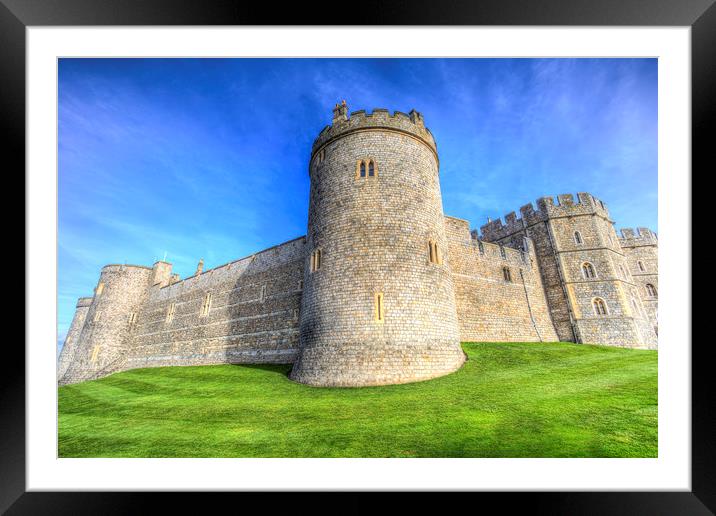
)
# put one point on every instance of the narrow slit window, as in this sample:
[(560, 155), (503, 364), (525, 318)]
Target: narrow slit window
[(650, 290), (315, 260), (170, 312), (434, 252), (99, 289), (300, 284), (379, 307), (641, 266), (578, 238), (132, 319), (206, 307), (96, 316), (262, 295), (95, 353), (506, 274), (635, 306), (600, 307)]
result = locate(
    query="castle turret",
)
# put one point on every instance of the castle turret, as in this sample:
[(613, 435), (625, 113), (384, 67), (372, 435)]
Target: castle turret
[(110, 318), (641, 251), (72, 340), (378, 305)]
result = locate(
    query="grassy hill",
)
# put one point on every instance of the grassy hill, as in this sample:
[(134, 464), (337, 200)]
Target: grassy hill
[(508, 400)]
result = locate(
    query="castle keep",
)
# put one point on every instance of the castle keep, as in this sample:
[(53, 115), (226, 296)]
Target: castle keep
[(383, 287)]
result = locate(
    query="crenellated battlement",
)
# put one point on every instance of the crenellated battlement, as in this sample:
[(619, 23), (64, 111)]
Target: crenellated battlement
[(411, 123), (566, 205), (631, 237), (119, 267)]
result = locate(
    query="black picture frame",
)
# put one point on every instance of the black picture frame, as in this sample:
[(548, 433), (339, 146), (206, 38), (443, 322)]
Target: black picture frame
[(17, 15)]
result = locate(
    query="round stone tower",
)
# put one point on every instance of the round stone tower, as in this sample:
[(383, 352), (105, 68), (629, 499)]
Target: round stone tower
[(109, 319), (378, 305)]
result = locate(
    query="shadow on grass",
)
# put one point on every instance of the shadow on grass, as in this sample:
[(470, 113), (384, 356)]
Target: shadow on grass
[(282, 369)]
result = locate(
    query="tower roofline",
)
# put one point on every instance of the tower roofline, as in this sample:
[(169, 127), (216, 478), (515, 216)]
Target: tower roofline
[(565, 206), (410, 124)]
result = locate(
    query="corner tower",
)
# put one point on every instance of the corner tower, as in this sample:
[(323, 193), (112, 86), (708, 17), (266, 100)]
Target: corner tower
[(109, 318), (591, 294), (378, 305)]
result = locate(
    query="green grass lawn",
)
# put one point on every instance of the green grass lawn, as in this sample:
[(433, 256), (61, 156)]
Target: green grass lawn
[(508, 400)]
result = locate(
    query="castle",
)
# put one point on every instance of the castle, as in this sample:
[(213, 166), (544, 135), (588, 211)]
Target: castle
[(383, 287)]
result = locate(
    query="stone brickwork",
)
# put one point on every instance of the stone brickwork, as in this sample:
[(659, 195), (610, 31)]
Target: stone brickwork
[(493, 305), (102, 349), (571, 236), (71, 345), (252, 317), (384, 286), (641, 252)]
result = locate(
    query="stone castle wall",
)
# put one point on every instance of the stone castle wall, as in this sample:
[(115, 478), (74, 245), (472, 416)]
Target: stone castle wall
[(252, 318), (520, 280), (490, 306)]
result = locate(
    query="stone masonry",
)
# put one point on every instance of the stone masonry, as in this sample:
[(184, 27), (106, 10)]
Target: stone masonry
[(384, 286)]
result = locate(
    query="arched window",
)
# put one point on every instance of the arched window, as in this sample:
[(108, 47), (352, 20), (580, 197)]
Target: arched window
[(506, 274), (600, 307), (366, 168), (650, 290), (588, 270), (641, 266), (578, 238)]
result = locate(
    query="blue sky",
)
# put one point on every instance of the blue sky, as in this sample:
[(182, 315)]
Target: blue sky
[(207, 158)]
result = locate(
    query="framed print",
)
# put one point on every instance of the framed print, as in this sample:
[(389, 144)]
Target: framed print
[(256, 280)]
